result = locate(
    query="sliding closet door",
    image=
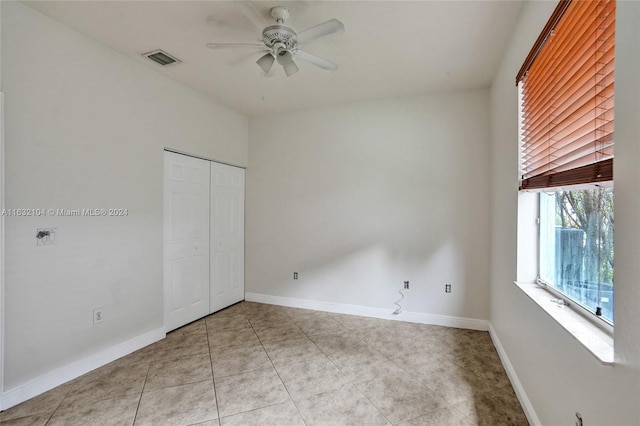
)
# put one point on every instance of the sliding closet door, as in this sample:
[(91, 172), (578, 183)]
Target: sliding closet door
[(186, 239), (227, 236)]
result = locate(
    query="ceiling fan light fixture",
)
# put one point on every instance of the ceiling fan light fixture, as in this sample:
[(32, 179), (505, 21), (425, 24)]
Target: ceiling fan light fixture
[(290, 68), (266, 62), (285, 58)]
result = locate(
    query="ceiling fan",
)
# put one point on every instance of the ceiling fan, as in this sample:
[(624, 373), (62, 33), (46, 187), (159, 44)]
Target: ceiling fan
[(282, 43)]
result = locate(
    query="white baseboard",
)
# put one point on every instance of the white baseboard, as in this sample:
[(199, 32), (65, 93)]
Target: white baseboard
[(515, 381), (339, 308), (62, 375)]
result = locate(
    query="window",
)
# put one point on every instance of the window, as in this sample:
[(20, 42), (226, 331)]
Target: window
[(576, 247), (566, 89)]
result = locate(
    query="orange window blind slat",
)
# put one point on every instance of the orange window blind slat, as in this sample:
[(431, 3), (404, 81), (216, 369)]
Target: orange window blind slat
[(584, 70), (559, 43), (590, 67), (567, 88)]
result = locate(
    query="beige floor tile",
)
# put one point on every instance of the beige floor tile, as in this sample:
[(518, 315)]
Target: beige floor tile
[(35, 420), (362, 368), (265, 310), (236, 309), (179, 345), (443, 417), (410, 360), (239, 360), (249, 391), (114, 411), (179, 371), (504, 404), (45, 403), (500, 407), (326, 363), (448, 380), (196, 327), (107, 382), (282, 331), (215, 422), (145, 354), (355, 322), (341, 344), (439, 370), (178, 405), (269, 319), (485, 369), (313, 326), (288, 351), (115, 367), (253, 307), (343, 406), (452, 389), (222, 340), (227, 322), (311, 377), (283, 414), (401, 397)]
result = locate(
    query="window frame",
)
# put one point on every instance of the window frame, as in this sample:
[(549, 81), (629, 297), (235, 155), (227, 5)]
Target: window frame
[(568, 301)]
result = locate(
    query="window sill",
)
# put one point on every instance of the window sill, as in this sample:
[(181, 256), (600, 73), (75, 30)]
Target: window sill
[(595, 340)]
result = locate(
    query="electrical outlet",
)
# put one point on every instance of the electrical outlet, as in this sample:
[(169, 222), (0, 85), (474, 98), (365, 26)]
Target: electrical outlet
[(295, 275), (45, 237), (98, 316), (447, 288), (406, 285)]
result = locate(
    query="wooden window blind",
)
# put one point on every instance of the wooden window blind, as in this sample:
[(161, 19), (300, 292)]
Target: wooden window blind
[(567, 86)]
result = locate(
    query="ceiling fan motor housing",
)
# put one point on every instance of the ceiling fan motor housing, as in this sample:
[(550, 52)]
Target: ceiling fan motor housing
[(280, 34)]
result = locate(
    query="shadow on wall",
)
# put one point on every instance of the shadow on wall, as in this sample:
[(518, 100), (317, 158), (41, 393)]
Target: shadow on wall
[(359, 277), (372, 277), (360, 198), (352, 244)]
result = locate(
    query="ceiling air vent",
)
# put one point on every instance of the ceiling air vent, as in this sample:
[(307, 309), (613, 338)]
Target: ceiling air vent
[(161, 57)]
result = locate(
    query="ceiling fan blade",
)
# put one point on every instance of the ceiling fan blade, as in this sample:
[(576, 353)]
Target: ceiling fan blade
[(331, 26), (319, 62), (254, 46)]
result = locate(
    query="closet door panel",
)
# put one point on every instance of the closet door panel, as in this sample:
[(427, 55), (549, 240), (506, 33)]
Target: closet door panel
[(186, 239), (227, 236)]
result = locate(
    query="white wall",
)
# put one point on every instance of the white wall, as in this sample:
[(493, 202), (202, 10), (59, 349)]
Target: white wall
[(558, 375), (1, 222), (86, 128), (359, 198)]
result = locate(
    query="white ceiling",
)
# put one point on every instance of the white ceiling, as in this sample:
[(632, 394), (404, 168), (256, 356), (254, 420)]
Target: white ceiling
[(389, 48)]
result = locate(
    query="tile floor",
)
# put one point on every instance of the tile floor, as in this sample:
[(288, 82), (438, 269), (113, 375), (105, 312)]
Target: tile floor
[(256, 364)]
